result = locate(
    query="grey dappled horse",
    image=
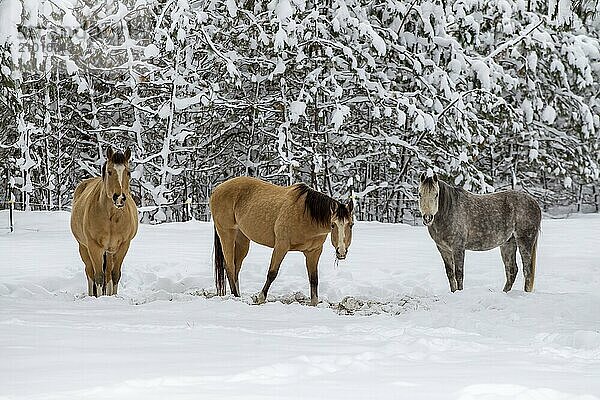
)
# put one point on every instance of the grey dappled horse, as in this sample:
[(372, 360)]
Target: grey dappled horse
[(458, 220)]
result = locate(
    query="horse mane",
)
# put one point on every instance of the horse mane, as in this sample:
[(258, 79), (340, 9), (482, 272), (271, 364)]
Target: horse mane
[(117, 158), (319, 205), (448, 195)]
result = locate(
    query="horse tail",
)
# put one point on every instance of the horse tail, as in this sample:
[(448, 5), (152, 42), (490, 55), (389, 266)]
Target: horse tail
[(529, 281), (219, 266)]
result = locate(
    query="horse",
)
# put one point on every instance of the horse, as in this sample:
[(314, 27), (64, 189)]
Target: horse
[(292, 218), (104, 220), (458, 220)]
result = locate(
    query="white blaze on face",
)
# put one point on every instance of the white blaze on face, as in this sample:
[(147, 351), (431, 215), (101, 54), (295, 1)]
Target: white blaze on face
[(120, 169), (341, 237)]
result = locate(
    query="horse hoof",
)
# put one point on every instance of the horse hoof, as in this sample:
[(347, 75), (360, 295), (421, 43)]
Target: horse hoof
[(259, 298), (314, 302)]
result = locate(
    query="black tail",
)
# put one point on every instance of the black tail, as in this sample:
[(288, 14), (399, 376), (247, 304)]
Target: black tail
[(219, 266)]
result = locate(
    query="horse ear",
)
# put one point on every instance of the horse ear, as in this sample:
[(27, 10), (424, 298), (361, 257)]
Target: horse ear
[(423, 177), (350, 205), (109, 153), (127, 154), (334, 207), (435, 177)]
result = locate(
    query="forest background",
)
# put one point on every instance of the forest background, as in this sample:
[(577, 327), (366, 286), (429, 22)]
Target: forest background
[(352, 97)]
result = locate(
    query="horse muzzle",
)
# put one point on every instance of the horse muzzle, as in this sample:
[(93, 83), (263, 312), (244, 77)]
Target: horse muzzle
[(119, 201), (340, 255), (427, 219)]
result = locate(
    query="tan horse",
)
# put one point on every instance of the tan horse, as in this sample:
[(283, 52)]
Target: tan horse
[(104, 220), (293, 218)]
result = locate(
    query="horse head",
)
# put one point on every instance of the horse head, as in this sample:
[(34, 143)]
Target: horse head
[(342, 221), (116, 176), (429, 191)]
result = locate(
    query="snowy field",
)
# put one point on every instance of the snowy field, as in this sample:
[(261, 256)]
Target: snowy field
[(387, 327)]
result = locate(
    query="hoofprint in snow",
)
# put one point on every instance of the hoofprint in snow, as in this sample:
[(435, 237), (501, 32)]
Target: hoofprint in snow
[(387, 327)]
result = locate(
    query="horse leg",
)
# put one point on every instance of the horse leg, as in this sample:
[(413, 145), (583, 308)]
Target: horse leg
[(458, 256), (312, 261), (118, 262), (449, 265), (279, 252), (89, 269), (509, 256), (242, 245), (227, 237), (109, 267), (527, 244), (96, 254)]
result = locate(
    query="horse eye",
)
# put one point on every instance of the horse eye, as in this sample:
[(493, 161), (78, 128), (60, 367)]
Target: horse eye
[(110, 173), (332, 226)]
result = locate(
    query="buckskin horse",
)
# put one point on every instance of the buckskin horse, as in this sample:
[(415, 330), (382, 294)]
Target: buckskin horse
[(293, 218), (104, 220)]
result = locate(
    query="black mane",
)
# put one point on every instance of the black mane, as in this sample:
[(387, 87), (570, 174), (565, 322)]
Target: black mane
[(319, 205), (117, 158)]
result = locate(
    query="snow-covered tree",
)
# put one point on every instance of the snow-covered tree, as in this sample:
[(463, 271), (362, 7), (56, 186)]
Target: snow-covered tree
[(350, 96)]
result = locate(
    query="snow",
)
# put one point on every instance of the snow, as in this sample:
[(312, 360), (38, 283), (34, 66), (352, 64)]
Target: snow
[(280, 39), (337, 118), (419, 123), (297, 109), (482, 71), (387, 326), (378, 43), (527, 108), (533, 154), (151, 51), (69, 20), (71, 67), (231, 69), (549, 114), (283, 9), (564, 14), (279, 68), (232, 8), (10, 17), (568, 182)]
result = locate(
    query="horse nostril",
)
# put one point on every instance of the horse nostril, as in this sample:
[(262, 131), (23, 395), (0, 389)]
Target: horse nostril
[(124, 198), (115, 197)]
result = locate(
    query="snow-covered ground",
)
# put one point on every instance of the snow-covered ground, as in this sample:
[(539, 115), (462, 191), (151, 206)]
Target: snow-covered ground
[(388, 326)]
